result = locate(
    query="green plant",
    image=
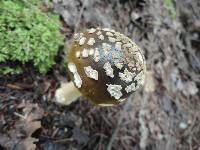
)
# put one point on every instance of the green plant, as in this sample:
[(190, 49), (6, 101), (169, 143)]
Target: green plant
[(170, 7), (27, 35)]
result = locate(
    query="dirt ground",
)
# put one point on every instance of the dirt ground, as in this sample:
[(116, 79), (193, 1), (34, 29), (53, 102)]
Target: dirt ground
[(163, 115)]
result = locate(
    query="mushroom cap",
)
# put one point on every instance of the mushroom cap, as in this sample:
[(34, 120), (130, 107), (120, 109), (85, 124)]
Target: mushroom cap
[(106, 66)]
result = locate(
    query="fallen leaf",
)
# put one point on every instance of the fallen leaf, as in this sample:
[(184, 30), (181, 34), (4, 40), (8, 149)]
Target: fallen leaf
[(20, 137), (28, 143), (30, 124)]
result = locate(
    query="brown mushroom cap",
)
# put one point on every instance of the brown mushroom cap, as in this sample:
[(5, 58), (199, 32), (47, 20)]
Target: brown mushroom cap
[(105, 66)]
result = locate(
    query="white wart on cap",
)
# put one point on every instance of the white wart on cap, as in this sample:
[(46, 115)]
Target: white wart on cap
[(106, 66)]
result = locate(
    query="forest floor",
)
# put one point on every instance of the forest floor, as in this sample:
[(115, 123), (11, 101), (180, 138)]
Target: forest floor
[(163, 115)]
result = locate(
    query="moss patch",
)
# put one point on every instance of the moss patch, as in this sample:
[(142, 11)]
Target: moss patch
[(27, 35)]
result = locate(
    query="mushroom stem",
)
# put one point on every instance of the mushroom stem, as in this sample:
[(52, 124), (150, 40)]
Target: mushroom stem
[(67, 93)]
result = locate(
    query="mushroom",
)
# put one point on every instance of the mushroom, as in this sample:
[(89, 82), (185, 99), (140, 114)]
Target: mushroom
[(105, 66)]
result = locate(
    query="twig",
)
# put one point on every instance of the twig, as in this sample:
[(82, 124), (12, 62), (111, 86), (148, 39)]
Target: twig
[(55, 132), (20, 115), (144, 131), (79, 17), (125, 108), (63, 140)]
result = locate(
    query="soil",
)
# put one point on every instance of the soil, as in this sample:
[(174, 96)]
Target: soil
[(163, 115)]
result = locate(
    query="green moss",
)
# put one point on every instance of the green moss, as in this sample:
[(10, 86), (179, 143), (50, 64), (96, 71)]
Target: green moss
[(169, 4), (8, 70), (28, 35)]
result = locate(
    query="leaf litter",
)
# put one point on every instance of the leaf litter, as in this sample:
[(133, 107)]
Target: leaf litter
[(20, 136), (162, 115)]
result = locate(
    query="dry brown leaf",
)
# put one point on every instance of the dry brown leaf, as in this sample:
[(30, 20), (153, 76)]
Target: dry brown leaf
[(30, 124), (25, 126), (28, 143)]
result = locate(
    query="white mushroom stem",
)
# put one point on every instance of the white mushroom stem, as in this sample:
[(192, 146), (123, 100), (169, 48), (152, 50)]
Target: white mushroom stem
[(67, 93)]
